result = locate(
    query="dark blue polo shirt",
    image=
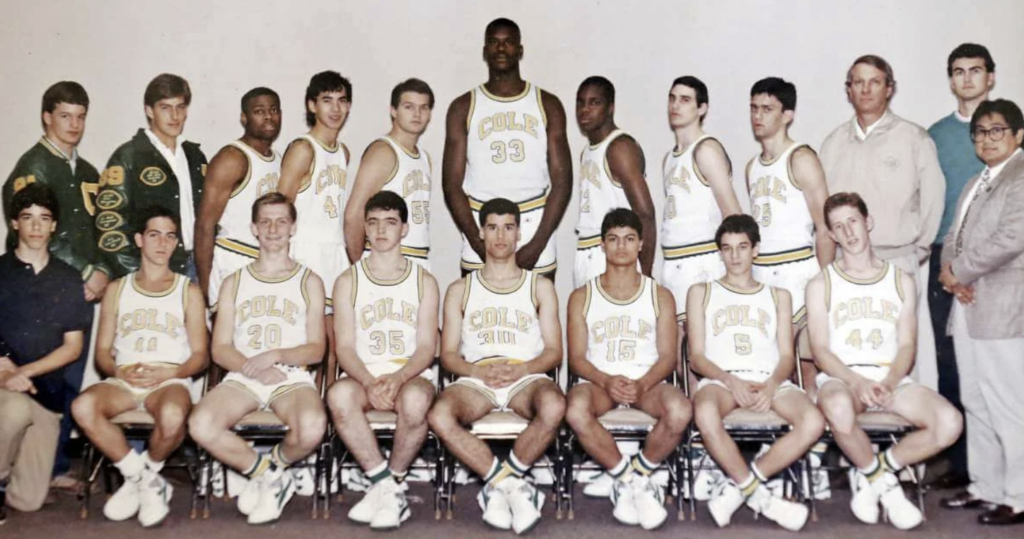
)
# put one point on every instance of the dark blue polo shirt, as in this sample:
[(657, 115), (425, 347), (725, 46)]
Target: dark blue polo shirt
[(36, 310)]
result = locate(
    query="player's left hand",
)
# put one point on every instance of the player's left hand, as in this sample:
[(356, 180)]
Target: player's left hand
[(147, 376), (528, 254), (258, 363), (763, 397), (386, 387), (514, 371)]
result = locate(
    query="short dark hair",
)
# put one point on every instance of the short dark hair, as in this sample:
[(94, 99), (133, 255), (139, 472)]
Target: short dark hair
[(699, 89), (621, 218), (738, 224), (501, 22), (604, 85), (272, 198), (154, 211), (780, 89), (166, 86), (65, 91), (876, 62), (387, 201), (411, 85), (325, 81), (498, 206), (35, 194), (838, 200), (258, 91), (1008, 109), (970, 50)]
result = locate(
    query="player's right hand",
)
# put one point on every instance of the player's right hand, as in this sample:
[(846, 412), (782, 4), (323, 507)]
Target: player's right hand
[(492, 375), (743, 391), (870, 393), (621, 389), (270, 377)]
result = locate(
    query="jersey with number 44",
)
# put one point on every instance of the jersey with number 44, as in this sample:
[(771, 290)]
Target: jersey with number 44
[(863, 315)]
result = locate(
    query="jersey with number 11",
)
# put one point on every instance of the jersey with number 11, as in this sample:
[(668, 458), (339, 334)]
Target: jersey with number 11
[(321, 200)]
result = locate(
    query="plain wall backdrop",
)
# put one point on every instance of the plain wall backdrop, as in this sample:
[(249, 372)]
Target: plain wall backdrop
[(115, 47)]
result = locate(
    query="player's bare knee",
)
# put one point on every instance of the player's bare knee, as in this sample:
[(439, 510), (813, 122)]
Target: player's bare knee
[(441, 417), (949, 424), (311, 425), (677, 416), (201, 425), (171, 420), (83, 409), (578, 413), (550, 409), (810, 425), (706, 415), (412, 406)]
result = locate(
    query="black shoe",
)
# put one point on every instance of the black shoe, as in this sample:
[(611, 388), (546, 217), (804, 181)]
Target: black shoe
[(966, 500), (1001, 516), (949, 481)]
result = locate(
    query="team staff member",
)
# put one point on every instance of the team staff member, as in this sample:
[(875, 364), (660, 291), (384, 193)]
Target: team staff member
[(157, 167)]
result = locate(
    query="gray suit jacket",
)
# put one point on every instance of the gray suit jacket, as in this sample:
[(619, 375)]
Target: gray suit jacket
[(992, 259)]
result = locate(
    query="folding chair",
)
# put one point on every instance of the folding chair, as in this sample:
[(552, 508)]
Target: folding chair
[(625, 425)]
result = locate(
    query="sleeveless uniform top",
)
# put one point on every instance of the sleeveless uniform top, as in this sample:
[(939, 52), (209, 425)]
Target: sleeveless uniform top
[(411, 180), (506, 148), (741, 328), (233, 232), (692, 214), (321, 201), (778, 205), (386, 313), (151, 325), (270, 313), (863, 315), (622, 336), (599, 192), (500, 323)]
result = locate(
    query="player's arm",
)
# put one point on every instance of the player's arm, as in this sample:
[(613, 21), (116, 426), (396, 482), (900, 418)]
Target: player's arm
[(312, 352), (453, 173), (713, 164), (906, 327), (121, 254), (628, 167), (579, 340), (784, 337), (296, 167), (668, 354), (699, 362), (426, 330), (451, 333), (198, 337), (550, 330), (810, 178), (226, 170), (345, 331), (105, 362), (559, 160), (378, 165), (222, 346), (818, 326)]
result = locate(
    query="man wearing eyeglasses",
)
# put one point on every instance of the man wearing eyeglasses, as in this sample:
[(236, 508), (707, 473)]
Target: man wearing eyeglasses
[(983, 267), (892, 164)]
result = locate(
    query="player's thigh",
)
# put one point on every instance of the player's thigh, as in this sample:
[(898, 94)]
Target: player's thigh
[(591, 398), (170, 403), (300, 405), (664, 399), (921, 406), (105, 400), (712, 402), (465, 403), (224, 406), (539, 396), (795, 407), (835, 397)]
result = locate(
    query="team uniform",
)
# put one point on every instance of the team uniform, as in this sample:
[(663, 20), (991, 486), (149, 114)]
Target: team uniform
[(863, 316), (270, 314), (599, 194), (386, 318), (786, 258), (500, 324), (235, 246), (741, 333), (688, 229), (622, 336), (507, 157), (319, 242), (411, 179), (150, 330)]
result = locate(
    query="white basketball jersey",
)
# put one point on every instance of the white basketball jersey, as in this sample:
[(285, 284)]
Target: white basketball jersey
[(507, 146), (151, 325), (386, 313), (740, 328), (233, 231), (622, 335), (321, 201), (270, 313), (863, 315), (691, 214), (500, 323), (599, 192), (778, 205), (411, 179)]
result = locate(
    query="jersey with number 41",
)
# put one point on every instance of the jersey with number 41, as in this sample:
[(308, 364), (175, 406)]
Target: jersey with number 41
[(321, 200)]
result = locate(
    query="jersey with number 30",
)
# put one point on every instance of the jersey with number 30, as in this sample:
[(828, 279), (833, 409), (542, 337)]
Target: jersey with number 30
[(151, 325), (863, 315), (500, 323), (320, 202), (741, 328), (270, 313)]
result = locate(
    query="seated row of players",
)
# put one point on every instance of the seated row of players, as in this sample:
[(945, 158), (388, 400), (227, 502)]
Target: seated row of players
[(501, 337)]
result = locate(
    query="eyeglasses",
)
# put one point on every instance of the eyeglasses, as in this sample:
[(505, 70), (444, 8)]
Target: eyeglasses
[(995, 133)]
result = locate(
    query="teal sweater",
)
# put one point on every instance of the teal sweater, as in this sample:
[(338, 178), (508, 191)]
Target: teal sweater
[(958, 161)]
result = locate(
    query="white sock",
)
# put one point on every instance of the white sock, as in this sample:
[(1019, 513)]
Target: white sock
[(131, 466), (152, 465)]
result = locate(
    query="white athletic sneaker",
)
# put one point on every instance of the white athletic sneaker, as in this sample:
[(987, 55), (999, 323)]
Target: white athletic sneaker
[(650, 502), (276, 489), (790, 515), (625, 506), (525, 502), (363, 511), (724, 503), (124, 504), (154, 499), (494, 505), (250, 496), (392, 507), (600, 486), (864, 500), (903, 514)]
